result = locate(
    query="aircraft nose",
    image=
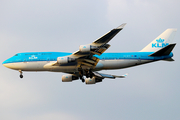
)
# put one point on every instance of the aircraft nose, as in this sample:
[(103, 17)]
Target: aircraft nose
[(6, 64)]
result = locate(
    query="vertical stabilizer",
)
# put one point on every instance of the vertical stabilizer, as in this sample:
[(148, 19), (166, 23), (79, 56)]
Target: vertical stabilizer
[(161, 41)]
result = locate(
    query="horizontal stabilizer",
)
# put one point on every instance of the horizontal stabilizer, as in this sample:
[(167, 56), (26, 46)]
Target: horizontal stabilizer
[(164, 51), (169, 59), (102, 75)]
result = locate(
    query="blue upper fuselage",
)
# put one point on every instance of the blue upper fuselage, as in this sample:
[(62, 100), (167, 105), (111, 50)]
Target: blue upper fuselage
[(52, 56)]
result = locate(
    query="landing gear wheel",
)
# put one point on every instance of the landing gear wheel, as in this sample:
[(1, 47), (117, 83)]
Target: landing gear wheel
[(86, 73), (21, 76), (81, 74), (83, 80), (81, 77), (90, 74)]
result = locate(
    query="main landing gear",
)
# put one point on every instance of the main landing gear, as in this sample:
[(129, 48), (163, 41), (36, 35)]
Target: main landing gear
[(88, 74), (81, 75), (21, 76)]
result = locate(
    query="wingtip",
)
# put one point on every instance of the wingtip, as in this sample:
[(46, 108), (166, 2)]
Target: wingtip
[(121, 26)]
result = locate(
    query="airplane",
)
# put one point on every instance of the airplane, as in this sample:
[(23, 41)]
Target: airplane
[(90, 58)]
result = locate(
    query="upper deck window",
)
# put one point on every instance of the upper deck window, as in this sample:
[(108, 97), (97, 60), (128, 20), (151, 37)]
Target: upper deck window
[(16, 55)]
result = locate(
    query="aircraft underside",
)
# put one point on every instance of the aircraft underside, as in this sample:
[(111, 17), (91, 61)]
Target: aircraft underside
[(102, 65)]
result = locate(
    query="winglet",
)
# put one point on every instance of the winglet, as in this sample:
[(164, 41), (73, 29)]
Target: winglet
[(108, 36), (121, 26)]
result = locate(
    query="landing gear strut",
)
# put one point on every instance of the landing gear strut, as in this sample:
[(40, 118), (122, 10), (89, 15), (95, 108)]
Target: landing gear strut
[(81, 74), (89, 74), (21, 76), (82, 78)]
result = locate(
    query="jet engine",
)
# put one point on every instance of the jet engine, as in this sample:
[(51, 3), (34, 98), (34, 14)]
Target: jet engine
[(92, 80), (69, 78), (64, 60), (87, 48)]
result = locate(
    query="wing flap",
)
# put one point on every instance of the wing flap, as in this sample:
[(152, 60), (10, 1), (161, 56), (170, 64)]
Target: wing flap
[(89, 62)]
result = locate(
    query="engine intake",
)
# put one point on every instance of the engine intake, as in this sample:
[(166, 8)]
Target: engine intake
[(69, 78), (64, 60)]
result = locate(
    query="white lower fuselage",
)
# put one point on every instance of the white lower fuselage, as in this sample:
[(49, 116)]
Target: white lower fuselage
[(44, 61), (47, 65)]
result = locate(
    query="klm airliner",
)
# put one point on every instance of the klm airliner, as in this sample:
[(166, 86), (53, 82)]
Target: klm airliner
[(91, 58)]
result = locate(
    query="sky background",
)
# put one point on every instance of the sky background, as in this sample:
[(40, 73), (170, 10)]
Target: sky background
[(150, 92)]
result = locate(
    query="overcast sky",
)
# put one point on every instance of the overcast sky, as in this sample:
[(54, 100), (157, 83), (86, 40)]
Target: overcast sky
[(150, 92)]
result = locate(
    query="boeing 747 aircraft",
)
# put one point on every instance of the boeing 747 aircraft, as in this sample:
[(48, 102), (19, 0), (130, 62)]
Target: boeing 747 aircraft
[(91, 58)]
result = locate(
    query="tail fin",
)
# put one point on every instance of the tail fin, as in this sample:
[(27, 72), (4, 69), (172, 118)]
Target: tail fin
[(161, 41)]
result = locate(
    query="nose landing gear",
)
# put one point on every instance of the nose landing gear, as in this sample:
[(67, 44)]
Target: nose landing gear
[(21, 76)]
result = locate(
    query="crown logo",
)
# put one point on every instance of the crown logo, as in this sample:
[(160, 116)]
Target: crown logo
[(160, 40)]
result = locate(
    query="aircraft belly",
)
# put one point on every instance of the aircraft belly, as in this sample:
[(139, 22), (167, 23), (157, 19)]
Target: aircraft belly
[(47, 65), (58, 68), (123, 63), (65, 69), (35, 66)]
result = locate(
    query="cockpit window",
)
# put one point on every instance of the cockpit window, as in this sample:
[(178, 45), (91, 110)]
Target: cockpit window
[(16, 55)]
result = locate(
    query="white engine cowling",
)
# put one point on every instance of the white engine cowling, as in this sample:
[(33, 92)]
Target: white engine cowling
[(64, 60), (86, 48), (90, 80), (69, 78)]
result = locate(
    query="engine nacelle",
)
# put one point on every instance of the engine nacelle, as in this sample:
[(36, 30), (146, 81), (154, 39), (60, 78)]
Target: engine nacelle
[(69, 78), (64, 60), (86, 48), (90, 80)]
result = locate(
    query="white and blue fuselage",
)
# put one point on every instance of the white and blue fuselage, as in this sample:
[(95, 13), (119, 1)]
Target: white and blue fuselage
[(39, 61)]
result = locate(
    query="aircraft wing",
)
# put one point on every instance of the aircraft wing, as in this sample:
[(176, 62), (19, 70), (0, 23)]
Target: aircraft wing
[(84, 56), (101, 43)]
